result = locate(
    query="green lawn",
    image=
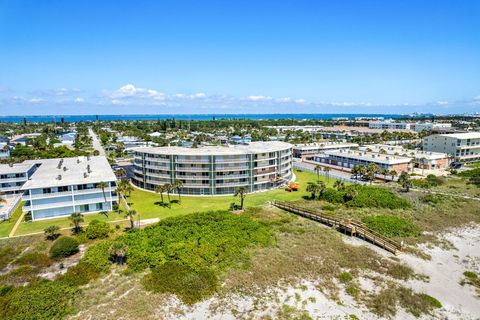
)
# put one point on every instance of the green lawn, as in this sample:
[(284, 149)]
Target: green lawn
[(145, 204), (7, 225)]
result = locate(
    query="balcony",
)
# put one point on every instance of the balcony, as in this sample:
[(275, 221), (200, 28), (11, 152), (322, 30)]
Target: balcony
[(67, 193), (205, 161), (62, 204), (191, 169), (8, 180), (234, 168), (220, 161)]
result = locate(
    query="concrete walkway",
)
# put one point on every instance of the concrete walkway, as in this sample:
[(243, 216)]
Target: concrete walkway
[(96, 142), (14, 229)]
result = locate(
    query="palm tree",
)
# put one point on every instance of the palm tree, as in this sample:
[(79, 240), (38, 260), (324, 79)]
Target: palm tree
[(351, 193), (317, 169), (372, 169), (422, 162), (160, 189), (120, 173), (168, 188), (384, 172), (327, 170), (321, 187), (178, 185), (51, 232), (127, 187), (130, 214), (242, 193), (118, 251), (77, 219), (393, 173), (339, 185), (404, 181), (312, 188), (102, 185)]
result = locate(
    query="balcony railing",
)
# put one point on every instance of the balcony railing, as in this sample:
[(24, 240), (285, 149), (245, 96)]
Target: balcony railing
[(8, 180), (67, 193), (62, 204)]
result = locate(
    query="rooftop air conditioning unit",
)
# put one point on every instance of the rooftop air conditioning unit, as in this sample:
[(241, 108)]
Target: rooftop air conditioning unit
[(59, 177)]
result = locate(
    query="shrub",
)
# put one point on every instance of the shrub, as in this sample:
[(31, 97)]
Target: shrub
[(52, 232), (470, 274), (98, 256), (188, 284), (63, 247), (80, 274), (345, 277), (431, 301), (35, 259), (392, 226), (199, 240), (365, 197), (41, 300), (97, 230)]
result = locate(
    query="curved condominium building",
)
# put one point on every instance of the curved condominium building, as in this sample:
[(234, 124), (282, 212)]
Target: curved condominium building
[(215, 170)]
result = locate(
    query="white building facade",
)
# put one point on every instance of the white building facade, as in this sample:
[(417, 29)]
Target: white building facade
[(215, 170), (463, 147), (60, 187)]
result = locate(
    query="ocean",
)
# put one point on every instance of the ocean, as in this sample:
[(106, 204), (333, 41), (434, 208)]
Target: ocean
[(296, 116)]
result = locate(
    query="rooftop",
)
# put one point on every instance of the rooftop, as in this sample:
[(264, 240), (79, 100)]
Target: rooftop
[(47, 174), (15, 168), (465, 135), (253, 147), (324, 145), (369, 156), (391, 150)]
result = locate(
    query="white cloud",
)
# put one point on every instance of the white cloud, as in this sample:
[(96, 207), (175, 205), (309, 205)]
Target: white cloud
[(79, 100), (442, 103), (300, 101), (130, 91), (259, 98), (36, 100)]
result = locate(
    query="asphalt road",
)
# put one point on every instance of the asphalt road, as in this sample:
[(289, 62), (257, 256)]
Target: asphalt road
[(96, 142)]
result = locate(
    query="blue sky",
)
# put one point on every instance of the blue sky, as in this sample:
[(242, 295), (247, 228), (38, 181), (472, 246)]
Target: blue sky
[(362, 56)]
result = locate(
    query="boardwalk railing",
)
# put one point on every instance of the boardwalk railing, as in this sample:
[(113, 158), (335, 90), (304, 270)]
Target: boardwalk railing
[(352, 227)]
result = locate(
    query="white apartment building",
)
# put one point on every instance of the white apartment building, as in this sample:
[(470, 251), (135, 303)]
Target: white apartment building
[(429, 126), (13, 176), (464, 147), (60, 187), (306, 150), (215, 170), (420, 159), (383, 125)]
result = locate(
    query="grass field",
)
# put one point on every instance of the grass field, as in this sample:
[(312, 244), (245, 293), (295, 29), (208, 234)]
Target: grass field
[(147, 206)]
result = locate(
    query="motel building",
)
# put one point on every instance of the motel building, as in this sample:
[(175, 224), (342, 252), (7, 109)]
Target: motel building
[(350, 158), (60, 187), (307, 151), (427, 160)]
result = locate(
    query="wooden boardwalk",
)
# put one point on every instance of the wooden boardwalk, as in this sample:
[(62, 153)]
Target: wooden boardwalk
[(348, 226)]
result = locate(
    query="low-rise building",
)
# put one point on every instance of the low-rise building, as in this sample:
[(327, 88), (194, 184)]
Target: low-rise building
[(14, 175), (350, 158), (60, 187), (421, 159), (430, 126), (463, 147), (4, 151), (383, 125), (308, 150)]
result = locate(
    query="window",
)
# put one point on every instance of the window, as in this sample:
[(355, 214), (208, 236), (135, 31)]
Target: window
[(99, 206)]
